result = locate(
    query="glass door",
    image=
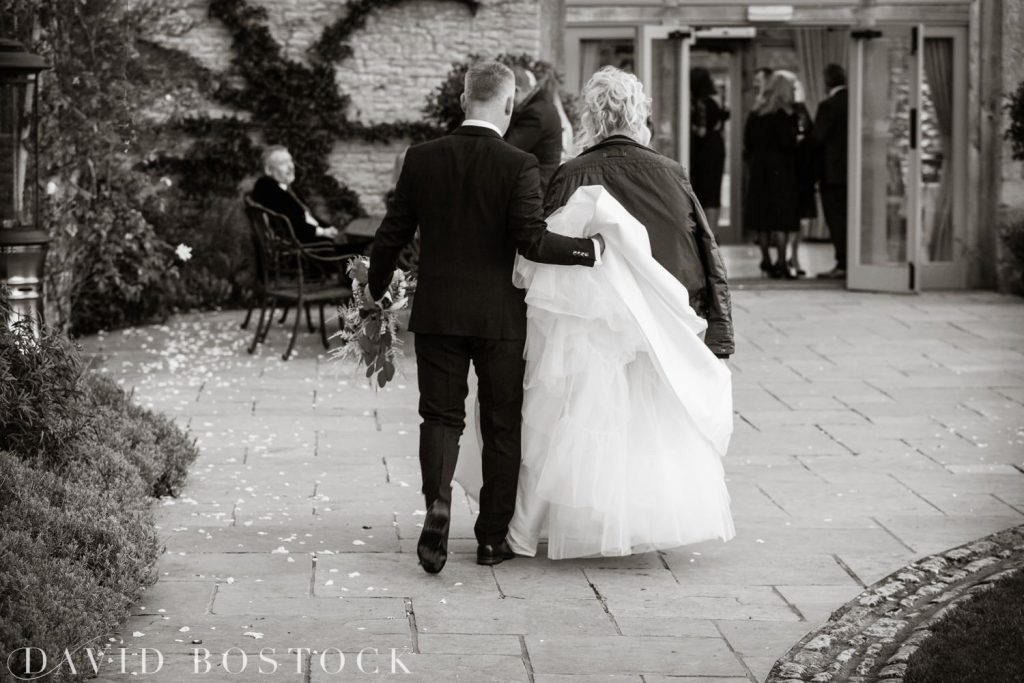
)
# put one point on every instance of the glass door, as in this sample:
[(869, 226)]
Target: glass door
[(664, 60), (943, 159), (885, 159)]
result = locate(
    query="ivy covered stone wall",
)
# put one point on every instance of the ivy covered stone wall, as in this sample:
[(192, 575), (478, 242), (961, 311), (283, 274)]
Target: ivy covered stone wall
[(400, 55)]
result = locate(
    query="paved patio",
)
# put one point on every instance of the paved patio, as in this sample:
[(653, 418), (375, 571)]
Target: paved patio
[(870, 430)]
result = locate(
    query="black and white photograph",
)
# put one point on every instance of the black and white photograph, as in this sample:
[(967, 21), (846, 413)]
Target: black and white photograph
[(532, 341)]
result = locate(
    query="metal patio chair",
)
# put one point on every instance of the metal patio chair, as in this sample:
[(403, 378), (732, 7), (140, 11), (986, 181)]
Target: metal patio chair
[(290, 273)]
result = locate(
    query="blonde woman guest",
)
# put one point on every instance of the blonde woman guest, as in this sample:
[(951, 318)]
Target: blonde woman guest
[(770, 144), (627, 412), (806, 173)]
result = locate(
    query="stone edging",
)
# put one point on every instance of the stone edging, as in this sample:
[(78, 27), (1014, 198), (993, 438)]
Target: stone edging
[(872, 636)]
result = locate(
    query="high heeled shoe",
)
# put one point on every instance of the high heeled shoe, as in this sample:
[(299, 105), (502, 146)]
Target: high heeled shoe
[(780, 271), (792, 266), (766, 268)]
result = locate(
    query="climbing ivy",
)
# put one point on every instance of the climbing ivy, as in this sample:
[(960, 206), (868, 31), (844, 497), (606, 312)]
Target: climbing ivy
[(291, 103)]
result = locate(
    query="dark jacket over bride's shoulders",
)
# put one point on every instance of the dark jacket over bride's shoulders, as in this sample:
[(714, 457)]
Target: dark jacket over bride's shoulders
[(657, 192)]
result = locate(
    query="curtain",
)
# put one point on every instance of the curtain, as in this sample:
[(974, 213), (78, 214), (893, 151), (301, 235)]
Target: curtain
[(816, 48), (938, 69)]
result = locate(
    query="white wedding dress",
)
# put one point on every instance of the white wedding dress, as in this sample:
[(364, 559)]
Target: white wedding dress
[(626, 413)]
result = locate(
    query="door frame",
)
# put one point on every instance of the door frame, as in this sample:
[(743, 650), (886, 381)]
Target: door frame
[(901, 276), (647, 34), (574, 37)]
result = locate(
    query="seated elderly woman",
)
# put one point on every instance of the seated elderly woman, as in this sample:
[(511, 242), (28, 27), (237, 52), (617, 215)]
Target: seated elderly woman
[(654, 189)]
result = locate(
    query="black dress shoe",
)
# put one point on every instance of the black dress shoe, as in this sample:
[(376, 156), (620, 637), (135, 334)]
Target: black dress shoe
[(432, 548), (493, 554)]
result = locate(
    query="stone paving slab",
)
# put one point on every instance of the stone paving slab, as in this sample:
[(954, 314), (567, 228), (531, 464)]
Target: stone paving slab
[(624, 655), (253, 633), (869, 430)]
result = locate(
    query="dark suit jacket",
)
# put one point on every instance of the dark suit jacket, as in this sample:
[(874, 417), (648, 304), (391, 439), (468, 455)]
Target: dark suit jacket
[(656, 191), (536, 128), (830, 134), (476, 201), (268, 193)]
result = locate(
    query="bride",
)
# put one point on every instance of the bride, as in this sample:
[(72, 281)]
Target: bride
[(627, 412)]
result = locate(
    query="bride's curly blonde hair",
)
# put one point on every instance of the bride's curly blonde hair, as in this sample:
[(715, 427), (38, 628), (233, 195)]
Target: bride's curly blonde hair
[(612, 100)]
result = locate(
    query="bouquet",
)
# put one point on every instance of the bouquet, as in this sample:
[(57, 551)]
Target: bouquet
[(369, 335)]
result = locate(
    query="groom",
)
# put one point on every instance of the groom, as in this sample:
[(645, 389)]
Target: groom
[(476, 200)]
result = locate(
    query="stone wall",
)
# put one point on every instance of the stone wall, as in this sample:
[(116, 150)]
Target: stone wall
[(367, 168), (399, 57)]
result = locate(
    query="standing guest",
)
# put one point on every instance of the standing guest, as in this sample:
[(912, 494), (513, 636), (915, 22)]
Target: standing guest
[(806, 173), (830, 136), (773, 195), (707, 144), (536, 126), (274, 191), (761, 77), (654, 189)]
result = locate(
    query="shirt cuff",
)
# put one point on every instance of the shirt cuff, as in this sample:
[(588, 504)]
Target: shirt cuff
[(385, 299), (597, 251)]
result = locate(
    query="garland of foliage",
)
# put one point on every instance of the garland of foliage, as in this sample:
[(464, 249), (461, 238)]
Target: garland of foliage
[(295, 104)]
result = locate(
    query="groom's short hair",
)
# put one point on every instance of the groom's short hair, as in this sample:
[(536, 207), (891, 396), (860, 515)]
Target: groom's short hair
[(487, 80)]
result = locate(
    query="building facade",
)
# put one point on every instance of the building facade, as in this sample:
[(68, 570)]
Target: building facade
[(930, 175)]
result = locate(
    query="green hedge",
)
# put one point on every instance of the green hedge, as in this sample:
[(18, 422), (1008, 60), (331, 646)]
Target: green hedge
[(79, 465)]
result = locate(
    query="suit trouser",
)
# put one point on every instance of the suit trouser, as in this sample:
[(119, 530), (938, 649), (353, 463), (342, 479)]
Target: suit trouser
[(833, 202), (442, 373)]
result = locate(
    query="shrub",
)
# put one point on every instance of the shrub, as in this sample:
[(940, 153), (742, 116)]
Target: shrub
[(76, 550), (219, 272), (1015, 131), (1012, 234), (443, 108), (108, 265), (153, 444), (79, 463), (40, 395)]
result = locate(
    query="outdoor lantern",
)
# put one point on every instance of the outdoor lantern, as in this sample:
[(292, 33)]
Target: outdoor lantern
[(22, 242)]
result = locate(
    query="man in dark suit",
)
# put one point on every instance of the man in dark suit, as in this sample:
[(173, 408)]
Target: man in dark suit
[(476, 200), (830, 136), (536, 126)]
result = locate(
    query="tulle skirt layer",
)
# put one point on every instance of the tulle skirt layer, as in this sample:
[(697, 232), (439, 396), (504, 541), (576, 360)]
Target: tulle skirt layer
[(614, 462)]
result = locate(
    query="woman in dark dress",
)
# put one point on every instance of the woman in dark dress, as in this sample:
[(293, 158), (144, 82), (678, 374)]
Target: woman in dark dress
[(806, 173), (707, 145), (773, 193)]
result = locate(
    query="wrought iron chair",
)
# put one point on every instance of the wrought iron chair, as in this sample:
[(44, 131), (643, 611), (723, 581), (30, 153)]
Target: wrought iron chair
[(290, 273)]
